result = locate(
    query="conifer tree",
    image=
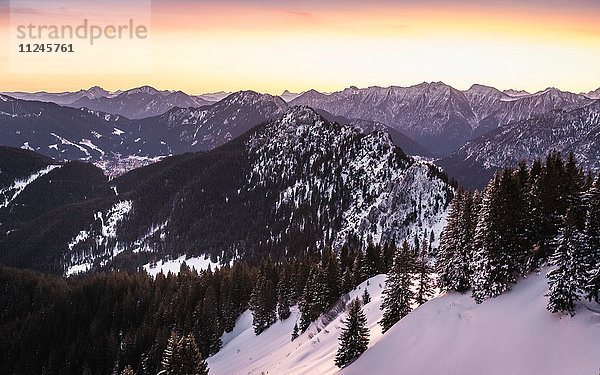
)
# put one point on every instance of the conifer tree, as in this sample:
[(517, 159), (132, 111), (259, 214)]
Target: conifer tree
[(354, 339), (358, 268), (314, 299), (568, 276), (168, 360), (366, 297), (210, 315), (397, 295), (373, 264), (263, 301), (425, 282), (127, 371), (388, 256), (494, 267), (229, 311), (453, 262), (347, 281), (189, 359), (331, 275), (295, 332), (283, 303), (592, 241)]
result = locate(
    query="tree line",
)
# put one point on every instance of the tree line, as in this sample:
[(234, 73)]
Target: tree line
[(524, 219), (104, 322)]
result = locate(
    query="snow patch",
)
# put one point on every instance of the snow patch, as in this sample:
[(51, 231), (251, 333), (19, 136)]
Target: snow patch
[(9, 193), (173, 266), (511, 334)]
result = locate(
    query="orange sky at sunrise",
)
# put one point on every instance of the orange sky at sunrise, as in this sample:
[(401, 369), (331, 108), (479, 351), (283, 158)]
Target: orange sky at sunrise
[(270, 46)]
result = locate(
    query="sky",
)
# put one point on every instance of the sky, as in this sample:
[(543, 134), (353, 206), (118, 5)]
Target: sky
[(270, 45)]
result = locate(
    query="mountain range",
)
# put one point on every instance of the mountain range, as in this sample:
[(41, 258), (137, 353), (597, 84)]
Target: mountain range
[(288, 186), (118, 144), (438, 116), (136, 103), (576, 131), (429, 119)]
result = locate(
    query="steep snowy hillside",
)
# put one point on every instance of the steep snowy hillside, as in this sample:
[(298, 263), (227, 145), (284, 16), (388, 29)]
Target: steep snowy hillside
[(272, 352), (451, 334), (511, 334), (576, 130)]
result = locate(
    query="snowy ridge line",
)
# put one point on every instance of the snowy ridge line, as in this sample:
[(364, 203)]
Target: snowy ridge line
[(19, 185)]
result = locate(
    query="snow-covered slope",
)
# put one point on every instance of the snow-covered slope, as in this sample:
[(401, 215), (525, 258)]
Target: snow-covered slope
[(511, 334), (272, 352)]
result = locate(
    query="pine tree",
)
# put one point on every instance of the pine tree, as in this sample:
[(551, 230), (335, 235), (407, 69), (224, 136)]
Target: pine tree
[(283, 303), (592, 241), (331, 275), (453, 262), (190, 359), (263, 304), (295, 332), (494, 266), (397, 295), (568, 276), (354, 339), (229, 311), (366, 297), (167, 361), (359, 268), (182, 357), (425, 282), (315, 299), (347, 281), (210, 321), (388, 256), (373, 264)]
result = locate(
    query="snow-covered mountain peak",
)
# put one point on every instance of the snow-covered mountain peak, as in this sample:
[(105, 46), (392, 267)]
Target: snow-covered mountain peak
[(516, 93), (299, 150), (142, 90), (249, 97), (95, 92), (482, 90), (594, 94)]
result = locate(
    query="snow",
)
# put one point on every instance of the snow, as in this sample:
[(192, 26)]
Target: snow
[(173, 266), (511, 334), (9, 193), (103, 230), (65, 141), (78, 268), (88, 143), (273, 352), (26, 146), (117, 131)]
